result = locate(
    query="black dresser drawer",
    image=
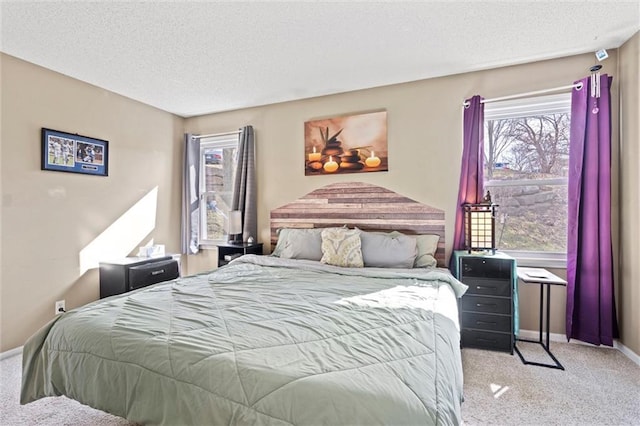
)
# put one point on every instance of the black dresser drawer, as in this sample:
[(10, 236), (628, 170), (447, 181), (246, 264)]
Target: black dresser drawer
[(485, 267), (488, 287), (152, 273), (487, 340), (486, 304), (489, 322)]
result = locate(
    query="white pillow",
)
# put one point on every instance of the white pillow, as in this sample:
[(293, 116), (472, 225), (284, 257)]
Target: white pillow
[(426, 246)]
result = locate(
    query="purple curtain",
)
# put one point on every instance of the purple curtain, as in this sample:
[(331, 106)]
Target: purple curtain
[(472, 172), (591, 312)]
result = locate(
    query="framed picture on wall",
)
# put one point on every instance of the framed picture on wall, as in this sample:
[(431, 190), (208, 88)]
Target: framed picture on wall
[(68, 152), (346, 144)]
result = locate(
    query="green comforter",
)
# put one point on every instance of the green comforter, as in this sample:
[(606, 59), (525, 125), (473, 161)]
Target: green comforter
[(262, 341)]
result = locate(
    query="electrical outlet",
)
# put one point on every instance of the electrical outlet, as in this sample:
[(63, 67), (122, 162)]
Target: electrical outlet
[(60, 308)]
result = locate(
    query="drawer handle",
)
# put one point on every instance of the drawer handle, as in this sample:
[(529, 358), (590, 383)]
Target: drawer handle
[(160, 271), (480, 339), (485, 322), (485, 304), (492, 287)]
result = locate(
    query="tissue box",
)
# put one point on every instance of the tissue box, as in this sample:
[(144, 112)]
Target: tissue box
[(155, 250)]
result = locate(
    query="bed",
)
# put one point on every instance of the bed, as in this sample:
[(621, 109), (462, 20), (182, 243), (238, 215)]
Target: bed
[(273, 340)]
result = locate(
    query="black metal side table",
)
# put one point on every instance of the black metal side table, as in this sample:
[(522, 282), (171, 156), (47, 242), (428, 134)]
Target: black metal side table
[(543, 278)]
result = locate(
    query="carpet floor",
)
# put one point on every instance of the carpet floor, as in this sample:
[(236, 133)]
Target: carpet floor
[(599, 387)]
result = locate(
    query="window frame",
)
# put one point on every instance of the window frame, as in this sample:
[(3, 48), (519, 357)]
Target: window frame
[(216, 142), (523, 107)]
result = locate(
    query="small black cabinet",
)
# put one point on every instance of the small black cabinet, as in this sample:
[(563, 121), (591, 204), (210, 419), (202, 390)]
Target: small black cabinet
[(487, 308), (123, 275), (228, 252)]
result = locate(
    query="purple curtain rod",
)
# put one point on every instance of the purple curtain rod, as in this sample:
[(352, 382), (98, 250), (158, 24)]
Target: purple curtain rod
[(522, 95)]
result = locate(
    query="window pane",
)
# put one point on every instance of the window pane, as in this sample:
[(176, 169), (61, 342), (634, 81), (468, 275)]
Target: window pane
[(216, 218), (531, 217), (218, 179), (527, 147), (526, 166)]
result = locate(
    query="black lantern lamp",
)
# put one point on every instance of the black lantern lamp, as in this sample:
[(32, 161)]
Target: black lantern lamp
[(480, 225)]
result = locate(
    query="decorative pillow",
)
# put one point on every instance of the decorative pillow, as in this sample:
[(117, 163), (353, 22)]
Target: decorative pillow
[(392, 250), (299, 244), (427, 246), (341, 247)]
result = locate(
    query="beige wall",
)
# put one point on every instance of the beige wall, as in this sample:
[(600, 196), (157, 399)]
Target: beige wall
[(424, 133), (629, 288), (49, 218)]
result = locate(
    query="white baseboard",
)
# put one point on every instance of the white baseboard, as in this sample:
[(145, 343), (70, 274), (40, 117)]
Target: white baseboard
[(10, 353), (555, 337), (628, 352)]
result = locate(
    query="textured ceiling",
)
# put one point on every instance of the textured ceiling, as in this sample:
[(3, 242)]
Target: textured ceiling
[(192, 58)]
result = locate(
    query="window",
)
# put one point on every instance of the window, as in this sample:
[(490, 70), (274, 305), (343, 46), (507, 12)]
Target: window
[(526, 145), (217, 175)]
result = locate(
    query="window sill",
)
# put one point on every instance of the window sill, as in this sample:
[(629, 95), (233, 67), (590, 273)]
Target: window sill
[(538, 259), (213, 244)]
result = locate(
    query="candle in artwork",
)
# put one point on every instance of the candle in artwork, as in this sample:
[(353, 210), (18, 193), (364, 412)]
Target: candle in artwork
[(314, 156), (372, 161), (330, 166)]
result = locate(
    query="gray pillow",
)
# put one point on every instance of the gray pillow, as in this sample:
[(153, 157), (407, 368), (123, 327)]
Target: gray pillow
[(392, 250), (299, 244)]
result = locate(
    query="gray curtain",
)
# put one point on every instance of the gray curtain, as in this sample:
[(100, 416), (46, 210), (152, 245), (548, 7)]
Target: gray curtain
[(190, 195), (244, 188)]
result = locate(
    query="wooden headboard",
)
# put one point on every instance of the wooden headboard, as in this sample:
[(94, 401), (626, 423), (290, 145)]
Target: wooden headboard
[(357, 204)]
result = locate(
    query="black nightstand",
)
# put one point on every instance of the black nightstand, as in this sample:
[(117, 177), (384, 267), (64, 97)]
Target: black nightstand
[(130, 273), (227, 252), (487, 309)]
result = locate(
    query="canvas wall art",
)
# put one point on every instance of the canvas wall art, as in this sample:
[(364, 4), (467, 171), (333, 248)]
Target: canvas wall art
[(346, 144)]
